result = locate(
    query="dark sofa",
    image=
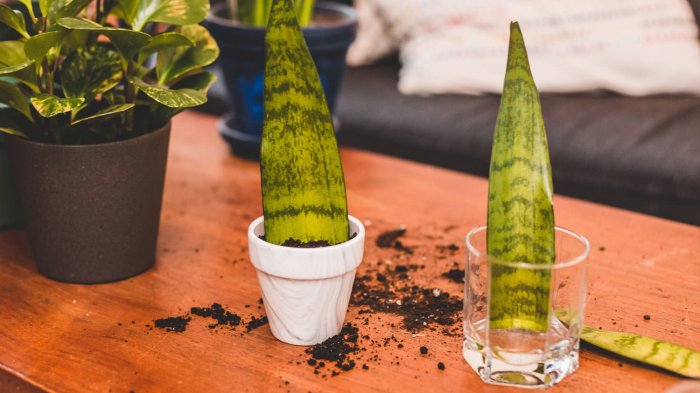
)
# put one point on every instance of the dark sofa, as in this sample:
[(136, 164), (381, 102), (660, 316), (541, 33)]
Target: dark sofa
[(641, 154)]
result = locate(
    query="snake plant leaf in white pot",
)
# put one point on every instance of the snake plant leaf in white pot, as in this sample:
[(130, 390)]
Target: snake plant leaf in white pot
[(306, 248)]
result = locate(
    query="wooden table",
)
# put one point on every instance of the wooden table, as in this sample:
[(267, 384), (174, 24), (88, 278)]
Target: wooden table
[(73, 338)]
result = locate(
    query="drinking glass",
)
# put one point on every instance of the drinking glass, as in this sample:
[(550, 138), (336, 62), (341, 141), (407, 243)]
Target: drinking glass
[(516, 348)]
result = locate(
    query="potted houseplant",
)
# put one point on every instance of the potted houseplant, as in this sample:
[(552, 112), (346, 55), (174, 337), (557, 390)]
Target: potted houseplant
[(91, 124), (306, 248), (239, 27)]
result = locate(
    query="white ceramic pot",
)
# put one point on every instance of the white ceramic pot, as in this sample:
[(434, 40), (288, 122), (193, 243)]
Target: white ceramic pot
[(306, 291)]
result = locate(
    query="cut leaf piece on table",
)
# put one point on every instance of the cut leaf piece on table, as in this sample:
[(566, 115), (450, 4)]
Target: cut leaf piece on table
[(104, 114), (180, 98), (13, 20), (49, 105), (161, 42), (177, 12), (88, 72), (668, 356), (176, 62), (127, 42), (303, 184), (520, 212)]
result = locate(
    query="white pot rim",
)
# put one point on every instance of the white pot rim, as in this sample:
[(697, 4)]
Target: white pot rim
[(307, 263)]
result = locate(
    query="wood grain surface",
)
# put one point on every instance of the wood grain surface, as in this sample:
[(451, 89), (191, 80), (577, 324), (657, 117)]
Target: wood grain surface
[(74, 338)]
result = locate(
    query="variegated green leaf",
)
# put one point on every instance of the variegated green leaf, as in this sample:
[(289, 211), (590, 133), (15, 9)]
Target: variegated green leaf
[(163, 41), (105, 114), (176, 12), (49, 105), (91, 71), (303, 184), (199, 82), (13, 19), (39, 45), (176, 62), (11, 96), (127, 42), (180, 98), (520, 212)]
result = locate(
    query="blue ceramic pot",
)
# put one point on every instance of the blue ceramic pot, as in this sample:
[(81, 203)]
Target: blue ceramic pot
[(242, 62)]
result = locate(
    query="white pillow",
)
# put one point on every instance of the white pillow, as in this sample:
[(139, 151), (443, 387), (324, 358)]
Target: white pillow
[(372, 41), (634, 47)]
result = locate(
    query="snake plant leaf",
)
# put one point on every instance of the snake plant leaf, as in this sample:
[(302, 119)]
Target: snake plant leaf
[(49, 105), (663, 354), (175, 12), (104, 115), (167, 40), (303, 185), (13, 19), (13, 97), (520, 211), (90, 71), (127, 42), (173, 98), (39, 45), (176, 62)]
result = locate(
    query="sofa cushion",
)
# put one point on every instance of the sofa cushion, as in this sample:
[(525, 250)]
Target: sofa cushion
[(637, 153)]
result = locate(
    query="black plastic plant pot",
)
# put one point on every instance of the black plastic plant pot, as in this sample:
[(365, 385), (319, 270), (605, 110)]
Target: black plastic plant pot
[(92, 212), (242, 62)]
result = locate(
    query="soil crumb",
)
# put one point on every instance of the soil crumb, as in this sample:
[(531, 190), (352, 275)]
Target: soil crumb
[(218, 313), (173, 324), (455, 275), (255, 323), (389, 239)]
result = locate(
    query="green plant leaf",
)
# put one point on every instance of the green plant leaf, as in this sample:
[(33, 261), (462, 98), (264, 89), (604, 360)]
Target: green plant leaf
[(663, 354), (65, 8), (39, 45), (176, 62), (11, 96), (13, 19), (30, 8), (163, 41), (105, 114), (303, 185), (180, 98), (175, 12), (127, 42), (520, 212), (14, 63), (49, 105), (14, 123), (91, 71)]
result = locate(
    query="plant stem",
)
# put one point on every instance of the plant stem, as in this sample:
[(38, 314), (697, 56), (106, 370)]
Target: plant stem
[(98, 11), (130, 95)]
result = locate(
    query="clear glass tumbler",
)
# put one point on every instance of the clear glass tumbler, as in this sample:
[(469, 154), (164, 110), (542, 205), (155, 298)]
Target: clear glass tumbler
[(525, 351)]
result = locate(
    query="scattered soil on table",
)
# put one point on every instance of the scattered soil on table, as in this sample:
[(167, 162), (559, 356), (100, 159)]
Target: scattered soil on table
[(389, 239), (647, 317), (223, 319), (420, 307), (336, 349)]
